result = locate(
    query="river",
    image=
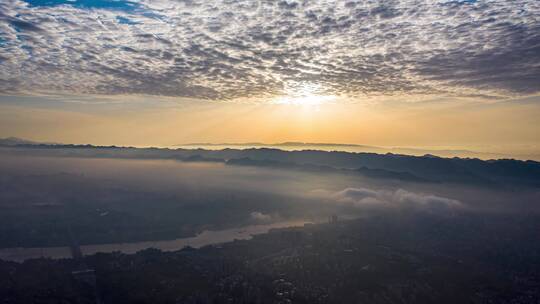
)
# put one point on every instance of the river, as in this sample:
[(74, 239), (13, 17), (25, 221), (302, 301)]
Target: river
[(207, 237)]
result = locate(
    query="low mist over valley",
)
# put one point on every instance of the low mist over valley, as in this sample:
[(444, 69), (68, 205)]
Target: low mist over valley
[(115, 194)]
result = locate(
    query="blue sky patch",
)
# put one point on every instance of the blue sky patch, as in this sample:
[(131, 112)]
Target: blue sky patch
[(121, 5), (28, 49), (124, 20)]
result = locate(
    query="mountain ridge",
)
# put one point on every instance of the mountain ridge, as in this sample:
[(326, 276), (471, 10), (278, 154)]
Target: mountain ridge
[(498, 172)]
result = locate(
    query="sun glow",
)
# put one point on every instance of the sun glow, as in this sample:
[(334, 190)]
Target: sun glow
[(303, 94), (311, 100)]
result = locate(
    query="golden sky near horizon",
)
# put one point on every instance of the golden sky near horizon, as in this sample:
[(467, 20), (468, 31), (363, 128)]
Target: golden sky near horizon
[(502, 127)]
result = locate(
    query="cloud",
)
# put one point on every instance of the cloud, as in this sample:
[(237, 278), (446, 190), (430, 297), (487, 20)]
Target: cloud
[(260, 217), (228, 49), (363, 198)]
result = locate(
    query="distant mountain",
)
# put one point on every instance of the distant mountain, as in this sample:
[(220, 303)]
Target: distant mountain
[(282, 144), (14, 141), (293, 145), (367, 172), (500, 173)]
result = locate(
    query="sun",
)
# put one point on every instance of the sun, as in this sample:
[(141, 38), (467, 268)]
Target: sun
[(303, 94), (308, 101)]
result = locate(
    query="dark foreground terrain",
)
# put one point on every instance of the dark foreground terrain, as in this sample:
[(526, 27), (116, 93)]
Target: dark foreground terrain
[(392, 257)]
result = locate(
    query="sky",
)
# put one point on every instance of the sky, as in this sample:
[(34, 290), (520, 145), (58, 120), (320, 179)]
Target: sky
[(461, 74)]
